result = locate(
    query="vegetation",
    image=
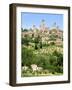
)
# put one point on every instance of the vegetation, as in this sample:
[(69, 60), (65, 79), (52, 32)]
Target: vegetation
[(49, 57), (24, 30)]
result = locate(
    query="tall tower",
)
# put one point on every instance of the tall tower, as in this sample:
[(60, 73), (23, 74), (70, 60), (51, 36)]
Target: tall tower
[(58, 27), (42, 25), (54, 26), (34, 28)]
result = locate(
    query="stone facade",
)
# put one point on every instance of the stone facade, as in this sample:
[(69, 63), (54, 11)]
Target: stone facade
[(44, 32)]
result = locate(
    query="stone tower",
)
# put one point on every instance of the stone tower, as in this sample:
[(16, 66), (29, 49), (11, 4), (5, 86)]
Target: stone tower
[(54, 26), (42, 25), (34, 28)]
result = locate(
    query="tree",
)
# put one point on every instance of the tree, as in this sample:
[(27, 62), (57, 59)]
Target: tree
[(36, 47), (40, 44), (53, 37), (25, 30), (53, 60), (22, 29), (33, 35), (59, 63), (52, 43), (60, 60), (27, 57), (36, 40), (25, 40)]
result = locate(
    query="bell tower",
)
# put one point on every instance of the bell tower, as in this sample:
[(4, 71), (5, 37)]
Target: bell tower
[(42, 25)]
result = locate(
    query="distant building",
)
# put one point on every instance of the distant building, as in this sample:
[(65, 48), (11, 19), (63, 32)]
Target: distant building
[(58, 42), (43, 27), (43, 31), (34, 28)]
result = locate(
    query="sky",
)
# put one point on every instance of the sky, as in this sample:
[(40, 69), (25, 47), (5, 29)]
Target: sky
[(30, 19)]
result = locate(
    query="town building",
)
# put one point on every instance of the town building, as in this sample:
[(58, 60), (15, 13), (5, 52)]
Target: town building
[(44, 32)]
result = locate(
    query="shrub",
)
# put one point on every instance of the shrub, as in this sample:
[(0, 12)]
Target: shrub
[(27, 56), (52, 37), (52, 60), (59, 69), (45, 45), (40, 44), (25, 41), (36, 46), (52, 43)]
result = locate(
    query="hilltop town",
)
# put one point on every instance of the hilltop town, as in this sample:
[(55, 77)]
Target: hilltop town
[(48, 35)]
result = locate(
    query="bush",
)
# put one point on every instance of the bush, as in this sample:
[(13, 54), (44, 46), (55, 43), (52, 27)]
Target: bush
[(40, 44), (52, 43), (52, 60), (52, 37), (36, 40), (59, 58), (27, 56), (45, 45), (25, 41), (36, 46), (59, 63), (59, 69)]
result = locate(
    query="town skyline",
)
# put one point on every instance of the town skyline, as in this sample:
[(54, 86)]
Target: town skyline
[(30, 19)]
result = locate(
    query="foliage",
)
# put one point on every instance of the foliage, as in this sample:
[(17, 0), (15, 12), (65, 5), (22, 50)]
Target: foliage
[(25, 40), (52, 43), (38, 41), (52, 37), (40, 44), (42, 54), (24, 30), (27, 56), (36, 46)]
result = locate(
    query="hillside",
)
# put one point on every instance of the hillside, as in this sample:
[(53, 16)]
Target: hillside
[(42, 52)]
